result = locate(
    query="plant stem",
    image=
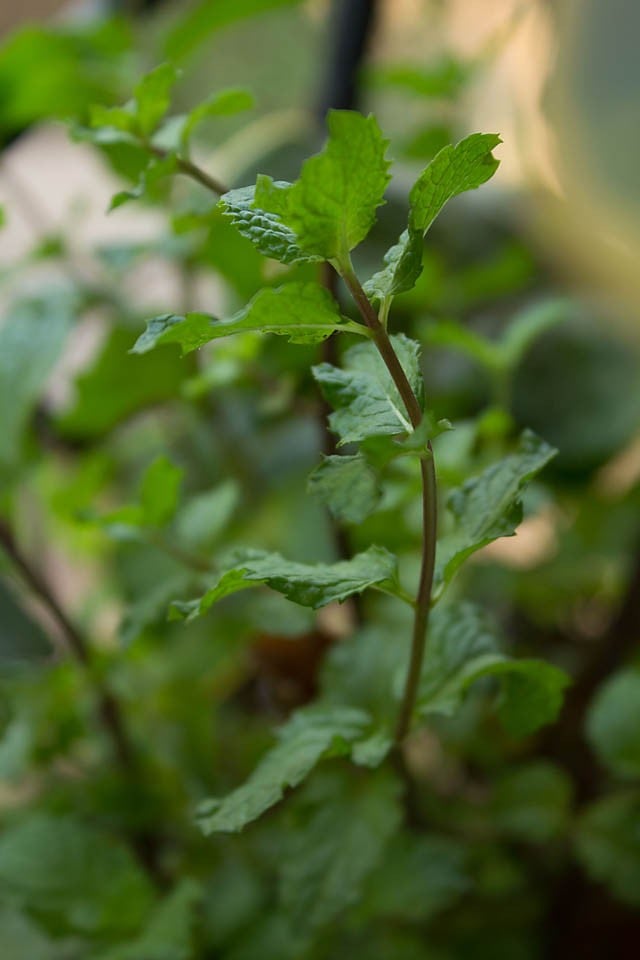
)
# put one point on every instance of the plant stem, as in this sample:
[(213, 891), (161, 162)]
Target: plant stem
[(190, 169), (109, 712), (429, 501)]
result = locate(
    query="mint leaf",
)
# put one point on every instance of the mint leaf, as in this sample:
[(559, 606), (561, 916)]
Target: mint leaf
[(454, 170), (488, 506), (331, 207), (304, 740), (462, 648), (613, 723), (347, 485), (203, 518), (153, 97), (303, 312), (346, 825), (310, 585), (68, 885), (266, 231), (364, 397)]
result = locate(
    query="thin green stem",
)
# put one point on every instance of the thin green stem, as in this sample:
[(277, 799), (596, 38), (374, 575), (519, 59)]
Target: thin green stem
[(192, 170), (429, 501)]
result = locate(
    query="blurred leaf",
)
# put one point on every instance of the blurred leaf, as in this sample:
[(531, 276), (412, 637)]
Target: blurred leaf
[(419, 877), (203, 518), (488, 506), (341, 837), (160, 492), (205, 18), (118, 385), (153, 97), (331, 207), (311, 585), (32, 337), (364, 397), (57, 72), (590, 406), (608, 844), (223, 103), (22, 939), (303, 312), (304, 740), (157, 169), (57, 867), (532, 802), (21, 638), (613, 723), (348, 487), (169, 932), (444, 79)]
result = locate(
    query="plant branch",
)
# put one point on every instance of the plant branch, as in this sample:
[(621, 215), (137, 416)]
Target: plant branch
[(429, 502), (192, 170)]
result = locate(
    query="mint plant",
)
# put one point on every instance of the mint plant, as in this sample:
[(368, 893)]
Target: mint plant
[(379, 412), (285, 628)]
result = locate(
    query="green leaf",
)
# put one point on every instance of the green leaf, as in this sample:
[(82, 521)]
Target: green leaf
[(347, 485), (57, 867), (160, 492), (445, 79), (343, 828), (453, 171), (303, 312), (418, 878), (21, 939), (310, 585), (463, 648), (31, 339), (364, 397), (608, 844), (266, 231), (168, 934), (118, 385), (488, 506), (224, 103), (613, 723), (304, 740), (331, 207), (153, 97), (532, 802), (21, 638)]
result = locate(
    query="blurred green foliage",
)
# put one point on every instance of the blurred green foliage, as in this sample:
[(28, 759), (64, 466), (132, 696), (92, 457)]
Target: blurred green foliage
[(146, 486)]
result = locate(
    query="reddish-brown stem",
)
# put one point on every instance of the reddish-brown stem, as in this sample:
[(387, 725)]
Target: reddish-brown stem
[(429, 502)]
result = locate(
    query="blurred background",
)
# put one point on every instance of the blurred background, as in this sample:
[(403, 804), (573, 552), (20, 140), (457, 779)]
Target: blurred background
[(537, 844)]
